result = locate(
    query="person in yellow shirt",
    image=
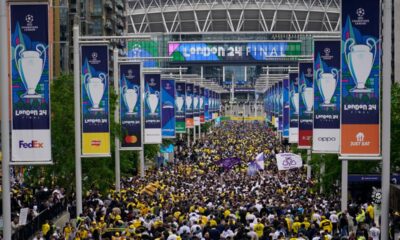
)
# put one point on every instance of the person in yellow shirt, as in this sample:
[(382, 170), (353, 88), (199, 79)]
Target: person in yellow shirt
[(296, 225), (306, 223), (259, 228), (45, 228), (370, 213), (326, 224), (67, 230)]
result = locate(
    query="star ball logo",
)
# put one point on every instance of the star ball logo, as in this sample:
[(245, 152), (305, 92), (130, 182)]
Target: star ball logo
[(361, 20), (29, 19), (168, 86), (94, 55), (29, 27), (360, 12), (309, 73), (130, 75), (327, 54), (94, 59), (152, 82)]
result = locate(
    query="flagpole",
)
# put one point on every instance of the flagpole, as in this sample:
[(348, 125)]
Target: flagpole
[(5, 124)]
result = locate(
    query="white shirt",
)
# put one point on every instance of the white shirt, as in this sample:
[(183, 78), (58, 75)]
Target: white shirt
[(184, 229), (374, 232), (334, 218), (271, 218)]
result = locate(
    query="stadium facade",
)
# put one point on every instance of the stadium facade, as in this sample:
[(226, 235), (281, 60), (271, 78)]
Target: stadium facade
[(229, 41)]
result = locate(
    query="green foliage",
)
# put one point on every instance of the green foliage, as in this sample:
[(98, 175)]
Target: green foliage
[(395, 128), (333, 165), (96, 172)]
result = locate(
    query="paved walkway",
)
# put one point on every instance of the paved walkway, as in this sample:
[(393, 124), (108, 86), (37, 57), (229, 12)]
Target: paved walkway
[(59, 222)]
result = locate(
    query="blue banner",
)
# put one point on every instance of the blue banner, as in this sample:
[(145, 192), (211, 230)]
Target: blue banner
[(95, 100), (206, 105), (326, 132), (168, 108), (306, 104), (130, 105), (293, 108), (152, 108), (286, 108), (201, 105), (189, 105), (196, 103), (180, 107), (31, 137), (360, 85)]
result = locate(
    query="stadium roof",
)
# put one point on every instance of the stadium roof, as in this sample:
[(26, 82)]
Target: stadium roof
[(233, 16)]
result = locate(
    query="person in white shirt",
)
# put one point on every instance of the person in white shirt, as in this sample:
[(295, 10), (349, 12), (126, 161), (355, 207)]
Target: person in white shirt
[(374, 232), (184, 229), (334, 219)]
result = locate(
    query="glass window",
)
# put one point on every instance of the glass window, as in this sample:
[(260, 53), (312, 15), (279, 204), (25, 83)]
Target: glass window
[(235, 72), (214, 73)]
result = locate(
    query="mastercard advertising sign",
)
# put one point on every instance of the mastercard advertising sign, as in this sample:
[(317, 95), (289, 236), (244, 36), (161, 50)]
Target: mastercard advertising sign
[(130, 105)]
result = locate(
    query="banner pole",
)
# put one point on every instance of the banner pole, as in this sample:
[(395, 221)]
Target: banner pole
[(116, 119), (5, 124), (194, 133), (200, 131), (386, 118), (308, 164), (142, 102), (345, 168), (77, 110)]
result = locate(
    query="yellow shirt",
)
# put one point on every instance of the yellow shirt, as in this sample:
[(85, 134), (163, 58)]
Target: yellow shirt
[(45, 228), (326, 225), (306, 224), (295, 227), (67, 232), (259, 229), (370, 211)]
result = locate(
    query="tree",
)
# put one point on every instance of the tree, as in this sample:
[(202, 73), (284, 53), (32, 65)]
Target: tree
[(96, 172)]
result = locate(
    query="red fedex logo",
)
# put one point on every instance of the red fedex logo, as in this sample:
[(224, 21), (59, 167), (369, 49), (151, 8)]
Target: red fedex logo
[(32, 144)]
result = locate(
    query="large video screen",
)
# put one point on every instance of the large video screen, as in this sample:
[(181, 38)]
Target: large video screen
[(231, 51)]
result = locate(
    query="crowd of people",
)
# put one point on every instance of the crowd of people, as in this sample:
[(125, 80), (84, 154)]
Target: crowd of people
[(195, 197)]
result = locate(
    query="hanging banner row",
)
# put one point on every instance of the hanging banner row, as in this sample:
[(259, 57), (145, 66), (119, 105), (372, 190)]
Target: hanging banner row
[(332, 104), (161, 100)]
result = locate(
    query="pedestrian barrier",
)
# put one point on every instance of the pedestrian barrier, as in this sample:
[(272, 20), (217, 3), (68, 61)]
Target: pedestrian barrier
[(28, 230)]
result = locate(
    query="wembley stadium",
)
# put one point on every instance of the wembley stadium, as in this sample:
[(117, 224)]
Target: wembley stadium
[(240, 44)]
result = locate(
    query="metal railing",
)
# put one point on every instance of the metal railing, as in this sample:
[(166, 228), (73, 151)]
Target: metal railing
[(28, 230)]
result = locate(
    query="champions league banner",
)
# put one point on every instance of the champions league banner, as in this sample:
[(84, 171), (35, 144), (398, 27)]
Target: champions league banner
[(168, 108), (152, 108), (360, 89), (280, 116), (95, 101), (276, 105), (130, 105), (211, 103), (196, 104), (286, 103), (180, 96), (293, 108), (206, 105), (306, 104), (30, 68), (189, 105), (326, 132), (201, 104)]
